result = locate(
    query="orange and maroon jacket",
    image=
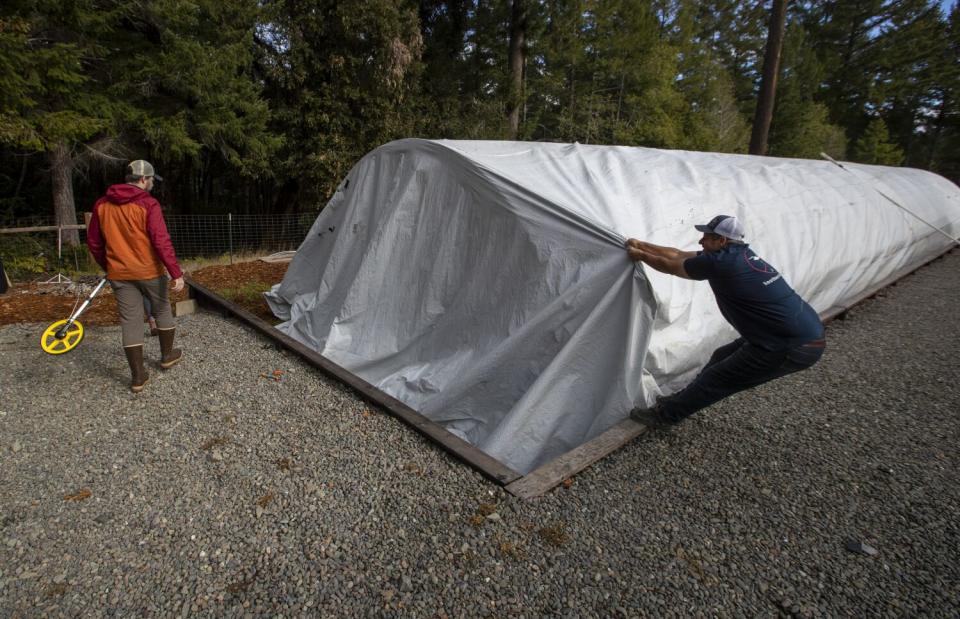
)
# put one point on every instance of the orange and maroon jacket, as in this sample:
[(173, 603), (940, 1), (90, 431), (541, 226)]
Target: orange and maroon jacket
[(128, 236)]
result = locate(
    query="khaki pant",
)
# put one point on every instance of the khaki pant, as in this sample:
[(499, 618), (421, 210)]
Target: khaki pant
[(129, 295)]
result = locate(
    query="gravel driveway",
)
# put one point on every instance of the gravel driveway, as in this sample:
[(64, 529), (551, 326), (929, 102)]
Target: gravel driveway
[(223, 491)]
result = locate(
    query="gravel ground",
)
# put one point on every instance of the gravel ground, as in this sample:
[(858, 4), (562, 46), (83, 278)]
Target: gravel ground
[(221, 492)]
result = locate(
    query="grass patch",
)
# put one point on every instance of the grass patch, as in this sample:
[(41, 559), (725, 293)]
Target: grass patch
[(247, 293), (510, 550), (28, 257), (57, 590), (554, 534), (485, 509), (214, 442), (195, 263)]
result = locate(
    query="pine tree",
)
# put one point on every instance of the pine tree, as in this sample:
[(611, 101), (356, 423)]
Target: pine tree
[(943, 129), (734, 32), (875, 147), (49, 104), (607, 75), (844, 35), (714, 121), (203, 110), (557, 64), (634, 92), (109, 81), (448, 102), (801, 125), (879, 57), (907, 88), (341, 76)]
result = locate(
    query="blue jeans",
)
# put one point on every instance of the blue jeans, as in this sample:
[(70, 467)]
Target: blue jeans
[(735, 367)]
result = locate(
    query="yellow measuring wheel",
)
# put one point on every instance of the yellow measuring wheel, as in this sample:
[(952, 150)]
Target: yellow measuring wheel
[(61, 337), (64, 335)]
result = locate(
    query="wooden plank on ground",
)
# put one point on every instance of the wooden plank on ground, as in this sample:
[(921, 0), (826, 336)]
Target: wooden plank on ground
[(280, 256), (182, 308), (484, 463), (549, 475)]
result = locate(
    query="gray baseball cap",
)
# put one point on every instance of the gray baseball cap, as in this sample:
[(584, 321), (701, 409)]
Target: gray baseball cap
[(142, 168), (724, 225)]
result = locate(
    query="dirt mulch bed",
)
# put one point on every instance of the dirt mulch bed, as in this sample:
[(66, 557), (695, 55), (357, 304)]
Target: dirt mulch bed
[(242, 283)]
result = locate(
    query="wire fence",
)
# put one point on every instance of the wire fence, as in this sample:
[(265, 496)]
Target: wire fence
[(38, 245), (216, 235)]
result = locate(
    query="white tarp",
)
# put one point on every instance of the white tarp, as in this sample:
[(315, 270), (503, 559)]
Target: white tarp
[(485, 284)]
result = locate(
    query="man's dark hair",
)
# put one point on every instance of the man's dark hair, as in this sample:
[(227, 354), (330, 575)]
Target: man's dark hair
[(132, 178)]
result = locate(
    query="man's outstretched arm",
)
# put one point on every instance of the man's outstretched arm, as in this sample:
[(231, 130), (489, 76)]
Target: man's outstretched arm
[(664, 259), (659, 250)]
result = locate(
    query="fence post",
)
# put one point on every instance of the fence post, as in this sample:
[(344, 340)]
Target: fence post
[(59, 279), (230, 226)]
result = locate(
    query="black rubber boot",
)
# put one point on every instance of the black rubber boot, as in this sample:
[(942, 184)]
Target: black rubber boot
[(138, 373), (652, 417), (169, 356)]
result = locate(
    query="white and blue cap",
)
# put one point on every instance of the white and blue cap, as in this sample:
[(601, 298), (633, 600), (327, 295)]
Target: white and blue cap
[(724, 225), (141, 169)]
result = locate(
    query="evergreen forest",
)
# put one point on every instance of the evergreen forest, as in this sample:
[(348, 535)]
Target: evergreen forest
[(262, 106)]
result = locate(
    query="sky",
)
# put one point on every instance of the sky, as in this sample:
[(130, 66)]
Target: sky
[(947, 5)]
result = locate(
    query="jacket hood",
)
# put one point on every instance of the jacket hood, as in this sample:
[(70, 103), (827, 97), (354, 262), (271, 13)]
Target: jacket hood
[(124, 192)]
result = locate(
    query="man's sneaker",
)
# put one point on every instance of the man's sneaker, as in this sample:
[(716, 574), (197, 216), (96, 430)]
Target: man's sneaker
[(651, 417)]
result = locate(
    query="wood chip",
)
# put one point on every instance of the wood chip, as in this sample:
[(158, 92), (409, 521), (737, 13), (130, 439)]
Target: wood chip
[(214, 442), (81, 495)]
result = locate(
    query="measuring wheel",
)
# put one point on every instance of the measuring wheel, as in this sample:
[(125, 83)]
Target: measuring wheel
[(62, 336)]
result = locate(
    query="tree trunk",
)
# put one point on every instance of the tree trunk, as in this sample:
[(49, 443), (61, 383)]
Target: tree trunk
[(768, 84), (207, 187), (518, 31), (623, 79), (64, 208), (476, 87), (287, 200), (23, 175), (938, 129)]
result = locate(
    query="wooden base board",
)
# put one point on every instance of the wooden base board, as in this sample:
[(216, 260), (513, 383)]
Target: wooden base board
[(541, 480)]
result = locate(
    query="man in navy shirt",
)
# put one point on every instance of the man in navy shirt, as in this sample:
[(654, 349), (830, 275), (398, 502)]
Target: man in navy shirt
[(779, 332)]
